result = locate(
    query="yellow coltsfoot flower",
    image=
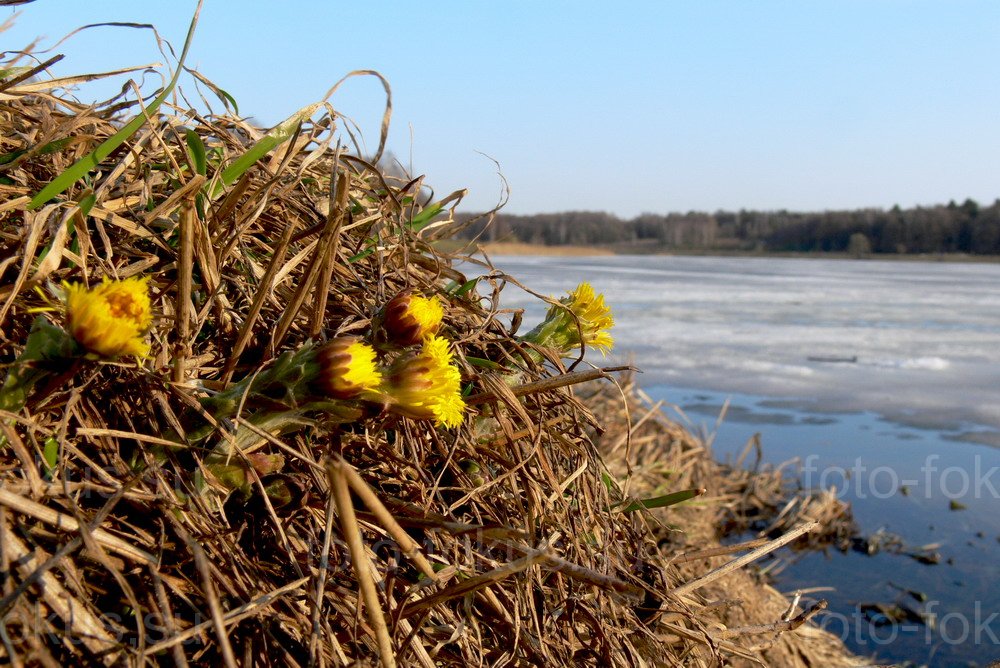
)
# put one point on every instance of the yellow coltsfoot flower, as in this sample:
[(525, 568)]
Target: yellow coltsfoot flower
[(583, 319), (595, 318), (410, 318), (110, 319), (347, 368), (426, 385)]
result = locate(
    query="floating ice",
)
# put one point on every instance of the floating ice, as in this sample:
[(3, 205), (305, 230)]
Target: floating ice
[(913, 341), (929, 363)]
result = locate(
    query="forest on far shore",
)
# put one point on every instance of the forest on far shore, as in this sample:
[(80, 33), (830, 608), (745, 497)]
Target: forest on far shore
[(951, 228)]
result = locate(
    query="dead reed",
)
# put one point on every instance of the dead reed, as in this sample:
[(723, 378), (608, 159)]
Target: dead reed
[(536, 532)]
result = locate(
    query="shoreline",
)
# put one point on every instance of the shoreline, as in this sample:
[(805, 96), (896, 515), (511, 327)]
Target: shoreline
[(891, 476), (516, 248), (525, 249)]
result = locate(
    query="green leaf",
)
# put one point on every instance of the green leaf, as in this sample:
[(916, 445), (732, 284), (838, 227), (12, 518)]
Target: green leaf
[(663, 501), (417, 223), (608, 481), (453, 288), (232, 476), (281, 492), (87, 203), (363, 254), (90, 161), (46, 343), (469, 285), (483, 363), (13, 72), (51, 147), (226, 97), (11, 157), (425, 217), (198, 154), (51, 453), (278, 135)]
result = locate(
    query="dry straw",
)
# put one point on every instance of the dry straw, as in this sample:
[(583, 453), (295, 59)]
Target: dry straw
[(511, 539)]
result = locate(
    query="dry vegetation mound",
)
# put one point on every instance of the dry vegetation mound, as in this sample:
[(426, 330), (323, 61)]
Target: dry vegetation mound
[(140, 523)]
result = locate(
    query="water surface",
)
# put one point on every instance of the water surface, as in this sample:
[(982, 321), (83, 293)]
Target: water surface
[(915, 342), (881, 378)]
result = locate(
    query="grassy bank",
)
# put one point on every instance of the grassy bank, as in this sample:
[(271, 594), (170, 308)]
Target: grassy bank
[(517, 248), (272, 470)]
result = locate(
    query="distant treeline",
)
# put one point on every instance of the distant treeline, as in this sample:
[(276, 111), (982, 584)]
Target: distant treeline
[(952, 228)]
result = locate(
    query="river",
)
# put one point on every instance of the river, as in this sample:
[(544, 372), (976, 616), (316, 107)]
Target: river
[(881, 377)]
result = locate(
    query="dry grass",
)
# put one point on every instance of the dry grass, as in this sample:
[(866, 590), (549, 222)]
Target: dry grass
[(384, 546), (694, 540)]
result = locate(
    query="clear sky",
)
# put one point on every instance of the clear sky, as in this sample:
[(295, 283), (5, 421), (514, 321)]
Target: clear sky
[(623, 107)]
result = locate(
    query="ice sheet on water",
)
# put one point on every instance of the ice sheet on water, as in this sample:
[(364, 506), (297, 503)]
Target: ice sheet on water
[(929, 363), (917, 342)]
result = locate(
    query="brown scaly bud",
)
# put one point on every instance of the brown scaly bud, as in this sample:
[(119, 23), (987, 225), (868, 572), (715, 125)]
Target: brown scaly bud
[(347, 368), (409, 318)]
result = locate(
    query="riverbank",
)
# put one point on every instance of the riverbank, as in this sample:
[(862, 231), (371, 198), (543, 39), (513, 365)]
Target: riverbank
[(508, 248), (523, 249), (653, 454), (913, 580)]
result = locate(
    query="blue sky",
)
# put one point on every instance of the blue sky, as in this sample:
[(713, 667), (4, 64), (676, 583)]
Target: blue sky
[(626, 107)]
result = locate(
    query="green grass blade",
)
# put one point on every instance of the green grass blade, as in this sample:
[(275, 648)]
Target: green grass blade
[(11, 157), (360, 256), (198, 154), (90, 161), (13, 72), (663, 501), (425, 217), (417, 223), (278, 135), (609, 483), (468, 285), (87, 203), (51, 454), (51, 147), (483, 363), (228, 100), (363, 254)]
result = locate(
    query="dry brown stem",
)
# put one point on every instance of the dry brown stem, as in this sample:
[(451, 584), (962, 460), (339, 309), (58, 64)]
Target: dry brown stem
[(500, 542)]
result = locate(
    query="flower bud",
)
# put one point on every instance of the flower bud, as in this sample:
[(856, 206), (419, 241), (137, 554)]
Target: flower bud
[(347, 368), (410, 318)]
